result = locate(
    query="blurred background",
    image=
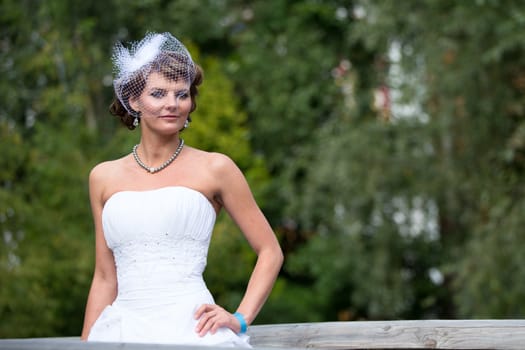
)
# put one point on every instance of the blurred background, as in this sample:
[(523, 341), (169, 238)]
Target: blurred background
[(384, 140)]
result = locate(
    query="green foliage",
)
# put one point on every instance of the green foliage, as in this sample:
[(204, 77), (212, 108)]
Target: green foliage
[(286, 53), (362, 204), (487, 278), (47, 258), (454, 160)]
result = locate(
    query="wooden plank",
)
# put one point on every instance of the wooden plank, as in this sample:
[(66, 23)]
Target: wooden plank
[(74, 343), (424, 334)]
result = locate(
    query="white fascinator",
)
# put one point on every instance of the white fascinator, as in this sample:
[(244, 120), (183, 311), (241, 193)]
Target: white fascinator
[(161, 53)]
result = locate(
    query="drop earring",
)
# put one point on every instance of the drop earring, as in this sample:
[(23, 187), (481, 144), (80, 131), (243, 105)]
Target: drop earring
[(186, 124), (136, 121)]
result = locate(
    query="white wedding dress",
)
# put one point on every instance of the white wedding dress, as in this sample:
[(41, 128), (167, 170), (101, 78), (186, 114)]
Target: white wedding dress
[(160, 240)]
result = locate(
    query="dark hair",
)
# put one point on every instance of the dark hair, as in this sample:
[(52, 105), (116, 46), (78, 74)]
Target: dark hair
[(178, 66)]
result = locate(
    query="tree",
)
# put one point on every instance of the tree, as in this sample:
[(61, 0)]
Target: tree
[(448, 170)]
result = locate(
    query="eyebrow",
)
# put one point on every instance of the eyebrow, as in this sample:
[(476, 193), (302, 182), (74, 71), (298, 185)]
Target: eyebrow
[(153, 88)]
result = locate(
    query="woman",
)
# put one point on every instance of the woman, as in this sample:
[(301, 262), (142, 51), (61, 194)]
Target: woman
[(154, 212)]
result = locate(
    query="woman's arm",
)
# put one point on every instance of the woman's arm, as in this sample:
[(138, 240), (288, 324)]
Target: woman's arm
[(103, 289), (237, 199)]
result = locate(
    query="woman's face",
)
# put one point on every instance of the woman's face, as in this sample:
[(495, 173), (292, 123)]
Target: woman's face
[(164, 100)]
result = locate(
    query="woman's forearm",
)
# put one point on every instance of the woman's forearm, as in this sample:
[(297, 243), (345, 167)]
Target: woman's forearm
[(263, 277)]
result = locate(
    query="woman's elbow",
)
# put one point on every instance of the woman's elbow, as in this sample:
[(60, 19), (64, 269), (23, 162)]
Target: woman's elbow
[(277, 256)]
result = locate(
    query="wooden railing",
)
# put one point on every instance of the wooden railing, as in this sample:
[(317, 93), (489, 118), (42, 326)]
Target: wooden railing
[(426, 334)]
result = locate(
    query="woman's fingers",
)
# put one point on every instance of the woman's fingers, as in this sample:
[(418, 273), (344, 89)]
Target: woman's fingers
[(211, 318), (201, 310)]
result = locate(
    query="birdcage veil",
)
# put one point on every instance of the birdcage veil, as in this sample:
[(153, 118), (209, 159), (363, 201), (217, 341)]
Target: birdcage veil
[(161, 53)]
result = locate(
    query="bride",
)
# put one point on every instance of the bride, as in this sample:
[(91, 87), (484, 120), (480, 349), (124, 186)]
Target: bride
[(154, 212)]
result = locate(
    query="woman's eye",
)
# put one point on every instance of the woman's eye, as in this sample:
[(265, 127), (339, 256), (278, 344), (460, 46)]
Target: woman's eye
[(158, 93), (183, 95)]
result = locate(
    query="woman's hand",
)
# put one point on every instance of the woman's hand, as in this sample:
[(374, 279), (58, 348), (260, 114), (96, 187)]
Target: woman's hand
[(212, 317)]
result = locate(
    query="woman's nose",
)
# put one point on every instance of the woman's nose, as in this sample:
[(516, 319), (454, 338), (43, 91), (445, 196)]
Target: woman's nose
[(173, 101)]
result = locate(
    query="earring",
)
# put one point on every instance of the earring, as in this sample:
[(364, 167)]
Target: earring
[(186, 124), (136, 121)]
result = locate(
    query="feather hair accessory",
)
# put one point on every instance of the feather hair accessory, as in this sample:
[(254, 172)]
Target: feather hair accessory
[(155, 52), (141, 53)]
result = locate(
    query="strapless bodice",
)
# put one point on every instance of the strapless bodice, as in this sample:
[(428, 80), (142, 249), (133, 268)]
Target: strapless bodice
[(159, 238)]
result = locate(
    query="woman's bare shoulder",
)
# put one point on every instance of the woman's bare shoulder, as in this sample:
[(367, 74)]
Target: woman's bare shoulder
[(214, 161), (106, 169), (106, 175)]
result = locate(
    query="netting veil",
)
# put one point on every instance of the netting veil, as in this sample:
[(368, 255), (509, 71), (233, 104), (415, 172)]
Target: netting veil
[(160, 53)]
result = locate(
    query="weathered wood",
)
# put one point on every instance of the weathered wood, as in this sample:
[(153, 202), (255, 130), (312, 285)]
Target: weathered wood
[(426, 334), (74, 343)]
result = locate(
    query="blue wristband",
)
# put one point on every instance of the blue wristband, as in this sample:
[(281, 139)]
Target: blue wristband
[(242, 321)]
